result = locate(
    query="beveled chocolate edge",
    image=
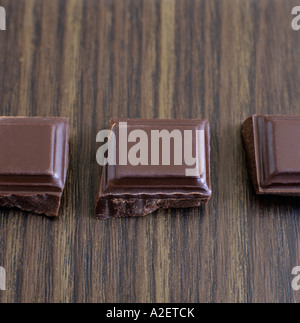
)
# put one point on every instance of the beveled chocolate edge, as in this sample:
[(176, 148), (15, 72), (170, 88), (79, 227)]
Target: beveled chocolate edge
[(205, 191), (138, 121), (64, 151), (57, 185), (248, 135)]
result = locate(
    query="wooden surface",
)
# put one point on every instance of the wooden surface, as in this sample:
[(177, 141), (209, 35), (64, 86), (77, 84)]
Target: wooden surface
[(90, 60)]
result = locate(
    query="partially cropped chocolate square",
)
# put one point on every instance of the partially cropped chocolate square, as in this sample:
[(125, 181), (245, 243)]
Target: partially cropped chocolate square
[(153, 164), (33, 163), (273, 150)]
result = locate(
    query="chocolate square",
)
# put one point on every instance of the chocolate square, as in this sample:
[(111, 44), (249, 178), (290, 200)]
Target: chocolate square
[(137, 190), (273, 148), (33, 163)]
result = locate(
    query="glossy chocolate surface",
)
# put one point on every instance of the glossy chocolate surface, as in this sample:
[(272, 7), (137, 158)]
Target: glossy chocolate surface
[(128, 190), (273, 149), (33, 163)]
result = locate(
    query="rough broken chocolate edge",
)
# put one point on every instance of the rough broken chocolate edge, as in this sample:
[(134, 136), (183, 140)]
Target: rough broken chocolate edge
[(47, 204), (119, 207), (249, 143)]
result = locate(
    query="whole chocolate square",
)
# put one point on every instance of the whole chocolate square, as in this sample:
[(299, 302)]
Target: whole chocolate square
[(33, 163), (155, 174), (273, 150)]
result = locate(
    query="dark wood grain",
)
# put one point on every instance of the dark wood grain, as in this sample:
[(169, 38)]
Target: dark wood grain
[(90, 60)]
